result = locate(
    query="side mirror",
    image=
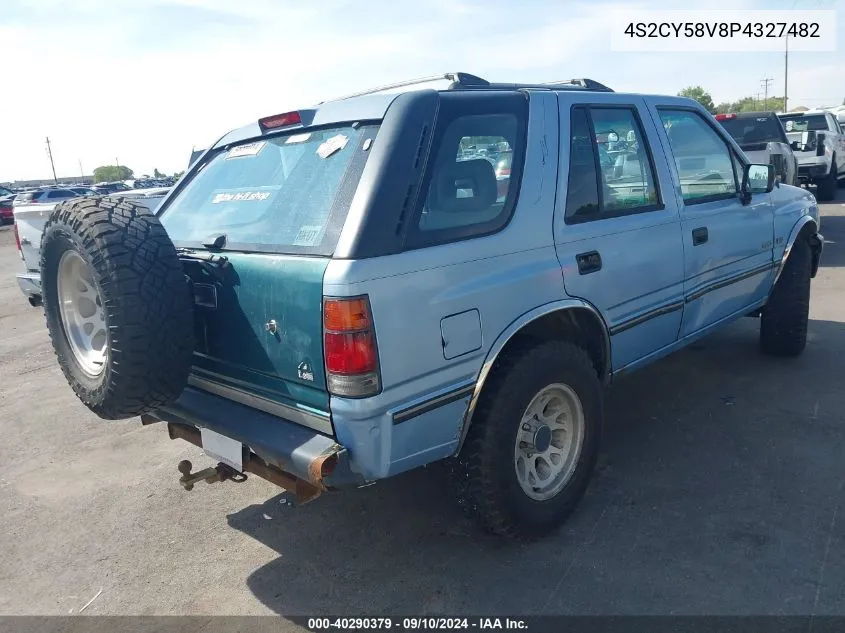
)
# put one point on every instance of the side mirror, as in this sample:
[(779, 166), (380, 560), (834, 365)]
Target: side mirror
[(757, 179), (796, 146), (819, 144)]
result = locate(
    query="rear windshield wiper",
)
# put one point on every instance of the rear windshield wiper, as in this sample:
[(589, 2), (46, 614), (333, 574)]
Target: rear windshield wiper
[(213, 264)]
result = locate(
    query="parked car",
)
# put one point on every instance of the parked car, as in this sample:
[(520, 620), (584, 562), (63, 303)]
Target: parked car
[(6, 216), (32, 209), (6, 198), (103, 188), (83, 191), (763, 139), (361, 302), (819, 145)]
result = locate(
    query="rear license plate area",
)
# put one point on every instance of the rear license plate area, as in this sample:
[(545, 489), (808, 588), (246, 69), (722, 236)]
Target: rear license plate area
[(223, 449)]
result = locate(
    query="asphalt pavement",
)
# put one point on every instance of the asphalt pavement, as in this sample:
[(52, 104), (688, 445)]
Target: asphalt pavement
[(719, 491)]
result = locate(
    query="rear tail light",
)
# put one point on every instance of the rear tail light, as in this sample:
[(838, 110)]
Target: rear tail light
[(722, 117), (350, 349), (17, 239)]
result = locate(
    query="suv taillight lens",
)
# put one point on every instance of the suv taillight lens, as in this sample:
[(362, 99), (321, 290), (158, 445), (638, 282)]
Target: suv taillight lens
[(17, 239), (350, 350)]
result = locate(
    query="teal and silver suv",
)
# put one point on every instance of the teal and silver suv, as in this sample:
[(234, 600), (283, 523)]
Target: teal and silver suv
[(341, 293)]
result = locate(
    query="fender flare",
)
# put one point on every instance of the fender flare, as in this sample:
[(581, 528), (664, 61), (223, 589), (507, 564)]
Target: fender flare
[(790, 242), (512, 330)]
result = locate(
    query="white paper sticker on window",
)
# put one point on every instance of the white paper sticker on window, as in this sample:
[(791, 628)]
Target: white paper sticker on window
[(250, 149), (298, 138), (308, 235), (332, 145)]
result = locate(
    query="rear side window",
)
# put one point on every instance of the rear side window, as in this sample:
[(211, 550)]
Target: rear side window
[(26, 198), (474, 170), (283, 194), (704, 161), (61, 194), (611, 172)]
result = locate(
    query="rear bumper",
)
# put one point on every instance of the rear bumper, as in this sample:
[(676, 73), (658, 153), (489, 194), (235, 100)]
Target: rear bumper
[(289, 447), (30, 284), (810, 172)]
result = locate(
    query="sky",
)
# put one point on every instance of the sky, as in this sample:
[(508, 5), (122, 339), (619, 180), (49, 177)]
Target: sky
[(143, 82)]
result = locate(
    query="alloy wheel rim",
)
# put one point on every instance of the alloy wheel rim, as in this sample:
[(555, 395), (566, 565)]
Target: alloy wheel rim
[(549, 441), (82, 313)]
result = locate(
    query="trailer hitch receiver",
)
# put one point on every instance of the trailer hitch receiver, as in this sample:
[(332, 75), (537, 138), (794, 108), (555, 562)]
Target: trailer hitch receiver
[(221, 472)]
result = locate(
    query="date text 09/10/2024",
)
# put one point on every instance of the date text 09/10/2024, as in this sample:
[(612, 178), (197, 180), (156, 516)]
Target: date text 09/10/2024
[(415, 624)]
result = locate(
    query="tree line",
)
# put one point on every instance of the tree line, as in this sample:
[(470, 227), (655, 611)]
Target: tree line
[(746, 104), (112, 173)]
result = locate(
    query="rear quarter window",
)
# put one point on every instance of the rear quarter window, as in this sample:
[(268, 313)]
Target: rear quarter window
[(474, 171)]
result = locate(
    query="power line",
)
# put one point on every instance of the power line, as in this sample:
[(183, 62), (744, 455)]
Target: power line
[(50, 154), (765, 83)]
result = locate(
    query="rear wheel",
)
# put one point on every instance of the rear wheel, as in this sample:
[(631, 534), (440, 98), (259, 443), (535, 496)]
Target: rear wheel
[(533, 444), (826, 190), (783, 323), (117, 305)]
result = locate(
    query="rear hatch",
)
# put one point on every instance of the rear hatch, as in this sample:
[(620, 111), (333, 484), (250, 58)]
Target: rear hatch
[(256, 228)]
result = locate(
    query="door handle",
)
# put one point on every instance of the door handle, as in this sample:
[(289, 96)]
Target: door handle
[(699, 235), (588, 262)]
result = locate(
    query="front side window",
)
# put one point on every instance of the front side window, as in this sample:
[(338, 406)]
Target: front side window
[(610, 169), (276, 194), (703, 160)]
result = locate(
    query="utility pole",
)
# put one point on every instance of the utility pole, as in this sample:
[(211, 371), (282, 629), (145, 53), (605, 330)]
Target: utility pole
[(765, 82), (785, 72), (81, 173), (50, 154), (757, 101)]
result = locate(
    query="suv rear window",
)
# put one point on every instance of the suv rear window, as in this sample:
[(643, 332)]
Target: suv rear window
[(281, 194), (753, 130)]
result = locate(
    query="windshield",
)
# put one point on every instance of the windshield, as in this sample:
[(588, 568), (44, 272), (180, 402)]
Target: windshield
[(802, 123), (752, 130), (285, 194)]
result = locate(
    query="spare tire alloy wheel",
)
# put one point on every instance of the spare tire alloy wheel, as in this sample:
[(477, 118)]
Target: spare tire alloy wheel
[(82, 314), (118, 306)]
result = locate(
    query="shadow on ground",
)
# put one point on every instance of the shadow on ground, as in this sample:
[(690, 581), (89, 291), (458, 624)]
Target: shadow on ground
[(720, 473)]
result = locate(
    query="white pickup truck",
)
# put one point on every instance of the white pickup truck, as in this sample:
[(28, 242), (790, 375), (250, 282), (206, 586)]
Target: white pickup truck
[(819, 145), (32, 211)]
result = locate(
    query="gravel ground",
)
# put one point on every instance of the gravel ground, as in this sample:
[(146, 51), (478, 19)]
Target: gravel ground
[(719, 492)]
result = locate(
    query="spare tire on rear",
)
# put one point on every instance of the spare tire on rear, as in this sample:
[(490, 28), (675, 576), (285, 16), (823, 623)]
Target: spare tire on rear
[(118, 306)]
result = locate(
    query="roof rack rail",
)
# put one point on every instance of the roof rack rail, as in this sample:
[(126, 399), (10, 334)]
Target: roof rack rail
[(466, 81), (587, 84), (569, 84), (457, 78)]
